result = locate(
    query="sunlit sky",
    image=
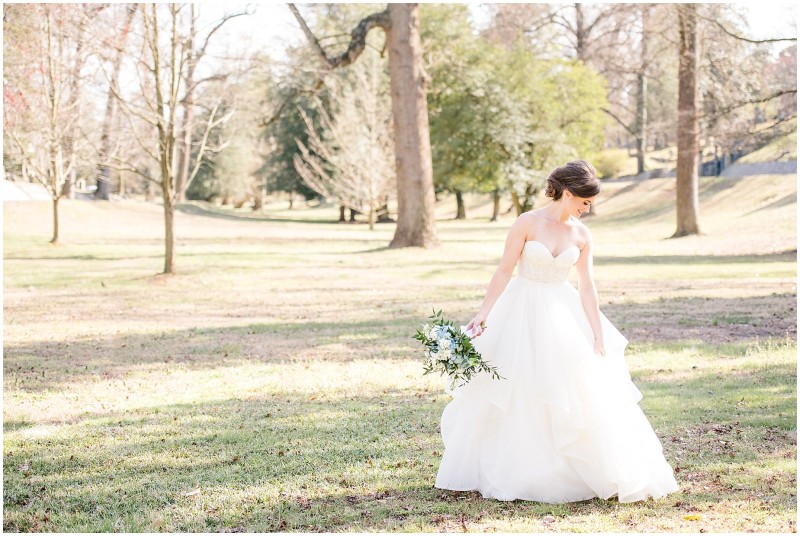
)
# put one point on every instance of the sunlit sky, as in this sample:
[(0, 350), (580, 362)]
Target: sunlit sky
[(272, 26)]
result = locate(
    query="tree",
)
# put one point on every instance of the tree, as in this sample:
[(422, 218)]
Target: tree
[(42, 97), (741, 86), (416, 224), (283, 125), (687, 201), (464, 104), (555, 114), (233, 171), (194, 54), (162, 86), (351, 159), (117, 45)]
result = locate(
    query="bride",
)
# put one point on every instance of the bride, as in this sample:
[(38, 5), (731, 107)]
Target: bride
[(564, 423)]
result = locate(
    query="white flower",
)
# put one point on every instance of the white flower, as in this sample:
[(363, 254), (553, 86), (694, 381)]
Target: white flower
[(444, 338)]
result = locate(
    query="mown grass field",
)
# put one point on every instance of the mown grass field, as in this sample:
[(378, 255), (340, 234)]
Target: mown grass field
[(273, 384)]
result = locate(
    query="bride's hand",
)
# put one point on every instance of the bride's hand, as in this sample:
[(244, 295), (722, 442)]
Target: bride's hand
[(478, 322), (599, 348)]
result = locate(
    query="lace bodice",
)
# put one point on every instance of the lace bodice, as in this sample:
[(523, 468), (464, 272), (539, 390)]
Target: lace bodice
[(538, 264)]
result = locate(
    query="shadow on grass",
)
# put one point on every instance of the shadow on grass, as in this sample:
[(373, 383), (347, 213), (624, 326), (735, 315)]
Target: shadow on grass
[(788, 256), (208, 212), (788, 199), (708, 187), (282, 462), (711, 320), (52, 364)]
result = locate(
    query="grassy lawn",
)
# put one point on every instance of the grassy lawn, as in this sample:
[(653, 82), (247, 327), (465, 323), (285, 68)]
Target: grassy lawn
[(273, 384)]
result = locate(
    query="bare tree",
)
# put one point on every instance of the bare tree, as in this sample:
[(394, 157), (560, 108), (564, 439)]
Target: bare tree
[(161, 64), (106, 141), (194, 55), (640, 130), (416, 225), (352, 158), (687, 201), (41, 126)]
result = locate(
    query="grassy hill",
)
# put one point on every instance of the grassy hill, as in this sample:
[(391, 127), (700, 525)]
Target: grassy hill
[(273, 385), (621, 163), (782, 149)]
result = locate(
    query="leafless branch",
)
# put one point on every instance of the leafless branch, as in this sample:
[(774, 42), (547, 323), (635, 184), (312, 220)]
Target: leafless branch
[(620, 121), (729, 109), (747, 39), (358, 38)]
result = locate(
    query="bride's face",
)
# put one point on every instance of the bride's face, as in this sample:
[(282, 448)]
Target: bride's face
[(575, 205)]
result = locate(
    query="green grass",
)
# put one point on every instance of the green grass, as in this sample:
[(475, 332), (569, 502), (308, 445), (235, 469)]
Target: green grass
[(273, 385)]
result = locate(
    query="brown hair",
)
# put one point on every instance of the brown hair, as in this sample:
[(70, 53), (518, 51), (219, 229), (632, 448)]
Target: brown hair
[(578, 176)]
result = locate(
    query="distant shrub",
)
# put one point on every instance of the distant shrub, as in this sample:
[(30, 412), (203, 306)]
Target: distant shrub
[(611, 163)]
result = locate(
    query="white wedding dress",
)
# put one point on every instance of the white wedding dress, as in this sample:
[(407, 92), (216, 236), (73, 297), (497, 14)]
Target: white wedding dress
[(564, 424)]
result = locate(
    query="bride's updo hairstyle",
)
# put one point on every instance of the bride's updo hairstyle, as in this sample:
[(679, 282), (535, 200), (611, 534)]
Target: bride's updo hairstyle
[(578, 176)]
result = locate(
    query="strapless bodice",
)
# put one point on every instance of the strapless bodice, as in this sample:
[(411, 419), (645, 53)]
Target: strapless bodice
[(538, 264)]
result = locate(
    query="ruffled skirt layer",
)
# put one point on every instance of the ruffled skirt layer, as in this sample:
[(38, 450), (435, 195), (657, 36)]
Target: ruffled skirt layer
[(564, 424)]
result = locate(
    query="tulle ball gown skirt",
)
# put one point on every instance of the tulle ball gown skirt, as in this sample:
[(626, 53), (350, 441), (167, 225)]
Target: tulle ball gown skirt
[(565, 424)]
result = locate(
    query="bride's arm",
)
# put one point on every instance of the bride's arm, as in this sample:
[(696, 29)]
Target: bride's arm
[(588, 293), (515, 241)]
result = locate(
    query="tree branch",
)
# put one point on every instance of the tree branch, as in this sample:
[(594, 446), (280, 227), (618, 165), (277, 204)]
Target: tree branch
[(729, 109), (225, 18), (618, 120), (358, 38), (756, 41), (746, 39)]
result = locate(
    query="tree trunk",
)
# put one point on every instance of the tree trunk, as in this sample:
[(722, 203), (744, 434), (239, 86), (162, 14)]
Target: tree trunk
[(580, 34), (103, 172), (383, 211), (461, 212), (55, 221), (68, 190), (416, 223), (517, 205), (352, 216), (524, 204), (186, 148), (641, 97), (291, 199), (342, 209), (496, 208), (371, 217), (103, 184), (169, 235), (687, 201), (641, 122), (188, 113)]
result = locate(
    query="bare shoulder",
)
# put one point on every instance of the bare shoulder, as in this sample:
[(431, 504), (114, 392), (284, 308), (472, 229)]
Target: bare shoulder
[(527, 219), (532, 215), (521, 225)]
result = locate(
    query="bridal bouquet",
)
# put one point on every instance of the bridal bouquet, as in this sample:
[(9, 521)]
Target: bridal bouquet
[(449, 350)]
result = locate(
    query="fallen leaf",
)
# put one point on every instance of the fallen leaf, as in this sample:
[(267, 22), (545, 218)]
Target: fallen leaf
[(192, 493), (693, 517), (548, 519)]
